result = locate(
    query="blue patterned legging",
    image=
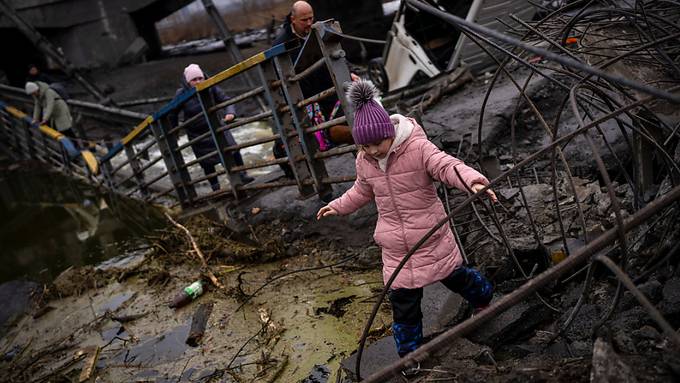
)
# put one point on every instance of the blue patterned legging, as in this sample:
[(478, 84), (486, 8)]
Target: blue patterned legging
[(408, 325)]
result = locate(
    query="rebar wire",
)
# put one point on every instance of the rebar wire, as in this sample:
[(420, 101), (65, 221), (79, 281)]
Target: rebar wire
[(443, 340), (460, 244), (476, 28), (506, 242), (646, 304), (616, 206), (589, 99), (567, 137)]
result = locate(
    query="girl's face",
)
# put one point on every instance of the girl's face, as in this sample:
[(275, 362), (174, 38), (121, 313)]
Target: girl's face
[(195, 80), (378, 150)]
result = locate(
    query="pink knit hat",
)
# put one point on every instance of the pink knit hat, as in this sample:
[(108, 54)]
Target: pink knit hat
[(192, 71), (371, 122)]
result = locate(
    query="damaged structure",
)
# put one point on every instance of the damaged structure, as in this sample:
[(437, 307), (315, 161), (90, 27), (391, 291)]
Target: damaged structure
[(578, 127)]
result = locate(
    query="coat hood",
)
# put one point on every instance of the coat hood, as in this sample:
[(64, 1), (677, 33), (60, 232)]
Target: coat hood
[(403, 127)]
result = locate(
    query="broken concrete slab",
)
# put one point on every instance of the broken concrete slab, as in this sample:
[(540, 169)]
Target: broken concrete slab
[(376, 356), (608, 366), (16, 296), (440, 307), (670, 305), (513, 324)]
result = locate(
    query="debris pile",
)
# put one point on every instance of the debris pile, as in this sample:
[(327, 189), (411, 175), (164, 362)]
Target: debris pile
[(585, 152)]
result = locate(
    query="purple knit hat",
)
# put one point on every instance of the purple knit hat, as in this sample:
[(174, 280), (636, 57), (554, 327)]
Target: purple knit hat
[(371, 122)]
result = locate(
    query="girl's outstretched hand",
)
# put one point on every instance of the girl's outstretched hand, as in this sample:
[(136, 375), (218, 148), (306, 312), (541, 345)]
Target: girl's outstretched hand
[(477, 187), (325, 211)]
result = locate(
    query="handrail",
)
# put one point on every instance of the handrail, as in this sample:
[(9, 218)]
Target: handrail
[(133, 173), (66, 143), (190, 92)]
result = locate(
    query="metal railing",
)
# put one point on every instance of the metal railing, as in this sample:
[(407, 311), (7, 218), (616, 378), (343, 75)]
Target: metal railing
[(126, 167), (24, 139)]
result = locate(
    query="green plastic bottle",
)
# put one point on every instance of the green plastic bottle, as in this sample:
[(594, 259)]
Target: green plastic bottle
[(187, 295)]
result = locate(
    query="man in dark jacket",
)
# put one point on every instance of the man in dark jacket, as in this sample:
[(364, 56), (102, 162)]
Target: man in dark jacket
[(297, 26), (192, 76)]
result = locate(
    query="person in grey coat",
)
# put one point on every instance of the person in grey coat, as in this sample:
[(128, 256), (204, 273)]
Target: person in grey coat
[(49, 108)]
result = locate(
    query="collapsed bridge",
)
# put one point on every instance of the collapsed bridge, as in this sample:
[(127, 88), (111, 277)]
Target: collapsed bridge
[(588, 62)]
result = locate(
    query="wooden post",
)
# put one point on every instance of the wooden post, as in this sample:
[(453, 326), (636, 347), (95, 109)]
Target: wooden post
[(179, 175), (198, 324)]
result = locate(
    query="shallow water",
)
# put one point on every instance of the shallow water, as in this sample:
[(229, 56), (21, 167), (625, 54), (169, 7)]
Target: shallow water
[(49, 222)]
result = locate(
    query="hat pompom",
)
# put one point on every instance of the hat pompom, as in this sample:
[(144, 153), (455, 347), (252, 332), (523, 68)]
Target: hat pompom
[(361, 93)]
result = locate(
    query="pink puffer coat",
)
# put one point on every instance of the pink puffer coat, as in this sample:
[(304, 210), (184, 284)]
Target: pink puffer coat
[(408, 207)]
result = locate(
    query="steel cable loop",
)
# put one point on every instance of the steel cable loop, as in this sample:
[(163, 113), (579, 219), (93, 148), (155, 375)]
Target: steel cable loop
[(443, 340), (506, 242), (469, 200), (616, 206), (649, 307), (356, 38), (465, 25)]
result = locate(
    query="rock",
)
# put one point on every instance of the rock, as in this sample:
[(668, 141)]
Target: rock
[(646, 333), (508, 193), (581, 348), (608, 366), (585, 192), (15, 298), (670, 305), (581, 326), (513, 324), (369, 257), (629, 320), (441, 308), (651, 289), (319, 374), (121, 264), (75, 280), (603, 202), (624, 342), (375, 357)]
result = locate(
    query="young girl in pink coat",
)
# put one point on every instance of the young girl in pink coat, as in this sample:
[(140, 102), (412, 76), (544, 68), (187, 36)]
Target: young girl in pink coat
[(396, 166)]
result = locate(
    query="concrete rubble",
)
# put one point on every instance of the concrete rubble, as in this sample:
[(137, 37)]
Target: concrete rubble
[(296, 294)]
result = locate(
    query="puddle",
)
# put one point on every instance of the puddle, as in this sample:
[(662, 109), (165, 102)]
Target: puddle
[(319, 374), (115, 303), (166, 347), (110, 335), (51, 222)]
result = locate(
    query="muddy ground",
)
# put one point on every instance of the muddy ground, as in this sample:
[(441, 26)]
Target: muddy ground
[(300, 320)]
